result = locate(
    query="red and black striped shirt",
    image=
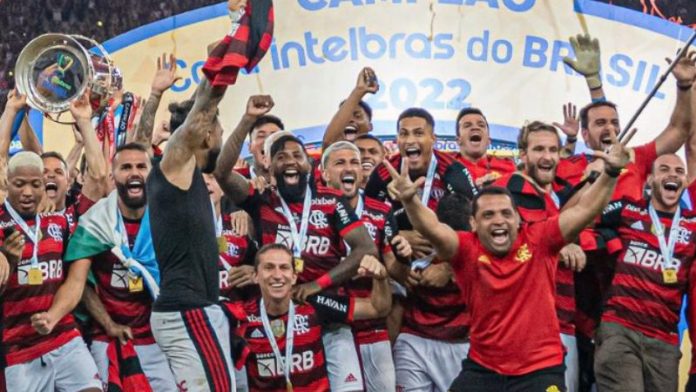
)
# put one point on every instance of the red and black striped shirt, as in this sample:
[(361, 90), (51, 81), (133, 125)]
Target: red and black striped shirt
[(331, 218), (377, 220), (77, 209), (639, 298), (308, 372), (240, 251), (123, 306), (20, 300), (488, 164)]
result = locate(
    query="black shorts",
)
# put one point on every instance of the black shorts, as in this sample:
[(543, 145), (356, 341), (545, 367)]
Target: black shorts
[(476, 378)]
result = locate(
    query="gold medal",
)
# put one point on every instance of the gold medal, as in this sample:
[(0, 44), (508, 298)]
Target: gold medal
[(222, 244), (35, 276), (278, 328), (288, 386), (299, 265), (669, 275), (135, 284)]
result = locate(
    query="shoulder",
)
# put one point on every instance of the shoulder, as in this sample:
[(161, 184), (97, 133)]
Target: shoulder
[(323, 191), (377, 206)]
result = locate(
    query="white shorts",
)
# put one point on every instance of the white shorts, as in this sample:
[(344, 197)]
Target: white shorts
[(67, 368), (342, 363), (378, 367), (425, 364), (572, 373), (152, 361), (196, 343)]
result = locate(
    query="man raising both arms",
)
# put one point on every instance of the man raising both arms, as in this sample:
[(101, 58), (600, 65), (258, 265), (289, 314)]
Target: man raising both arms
[(507, 276)]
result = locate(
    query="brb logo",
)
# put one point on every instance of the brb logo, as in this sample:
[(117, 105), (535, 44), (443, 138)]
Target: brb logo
[(270, 366), (50, 270)]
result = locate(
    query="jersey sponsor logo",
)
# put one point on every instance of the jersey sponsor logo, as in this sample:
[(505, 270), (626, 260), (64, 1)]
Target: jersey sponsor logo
[(119, 277), (50, 270), (343, 215), (631, 207), (638, 225), (253, 318), (223, 279), (377, 217), (270, 366), (437, 193), (55, 232), (318, 219), (257, 334), (612, 207), (317, 245), (322, 201), (283, 237), (639, 254), (332, 303)]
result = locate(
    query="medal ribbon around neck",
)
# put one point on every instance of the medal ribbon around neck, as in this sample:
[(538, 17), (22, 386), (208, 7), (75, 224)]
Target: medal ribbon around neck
[(298, 237), (430, 176), (289, 338), (33, 235), (666, 248)]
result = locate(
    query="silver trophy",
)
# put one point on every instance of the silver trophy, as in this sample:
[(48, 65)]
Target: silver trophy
[(55, 69)]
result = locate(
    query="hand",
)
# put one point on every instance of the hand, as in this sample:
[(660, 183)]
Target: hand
[(81, 108), (419, 245), (240, 223), (236, 5), (371, 267), (258, 105), (413, 279), (165, 76), (13, 246), (573, 257), (436, 275), (401, 185), (367, 82), (43, 322), (587, 55), (121, 332), (4, 269), (596, 165), (618, 156), (241, 164), (571, 123), (161, 133), (240, 276), (301, 292), (46, 206), (401, 247), (260, 184), (16, 102), (684, 71)]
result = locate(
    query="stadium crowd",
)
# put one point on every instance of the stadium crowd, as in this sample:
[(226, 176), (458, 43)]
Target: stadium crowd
[(162, 264)]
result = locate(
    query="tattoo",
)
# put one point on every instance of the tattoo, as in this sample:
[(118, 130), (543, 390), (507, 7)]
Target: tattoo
[(146, 125), (232, 183), (361, 244)]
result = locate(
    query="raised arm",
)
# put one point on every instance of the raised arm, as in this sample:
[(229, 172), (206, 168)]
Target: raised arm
[(15, 103), (235, 186), (677, 131), (96, 176), (574, 219), (587, 62), (164, 79), (28, 138), (690, 146), (73, 158), (443, 239), (570, 127), (380, 301), (367, 83), (179, 160)]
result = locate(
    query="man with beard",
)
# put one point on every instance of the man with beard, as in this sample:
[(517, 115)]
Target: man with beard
[(56, 176), (119, 305), (186, 321), (341, 170), (506, 273), (313, 221), (537, 194), (42, 348), (637, 343), (354, 116), (473, 137), (372, 153)]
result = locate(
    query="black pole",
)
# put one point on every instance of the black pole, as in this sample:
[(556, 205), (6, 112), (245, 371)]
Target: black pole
[(664, 76)]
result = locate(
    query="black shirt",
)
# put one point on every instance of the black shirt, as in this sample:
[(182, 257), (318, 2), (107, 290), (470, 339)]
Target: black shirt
[(183, 235)]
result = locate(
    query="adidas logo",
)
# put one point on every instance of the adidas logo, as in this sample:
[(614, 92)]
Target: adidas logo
[(638, 225), (257, 334), (350, 378)]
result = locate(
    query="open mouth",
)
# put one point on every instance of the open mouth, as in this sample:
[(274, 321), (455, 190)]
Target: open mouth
[(291, 176), (671, 188), (368, 166), (348, 182), (546, 168), (350, 133), (475, 138), (413, 153), (499, 236), (51, 189), (606, 141), (135, 187)]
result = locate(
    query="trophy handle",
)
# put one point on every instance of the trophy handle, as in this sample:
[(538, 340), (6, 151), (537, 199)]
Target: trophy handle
[(55, 117)]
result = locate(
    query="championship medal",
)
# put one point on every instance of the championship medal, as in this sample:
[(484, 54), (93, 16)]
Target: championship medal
[(135, 284), (222, 244), (278, 328), (299, 265), (35, 276), (669, 275), (288, 386)]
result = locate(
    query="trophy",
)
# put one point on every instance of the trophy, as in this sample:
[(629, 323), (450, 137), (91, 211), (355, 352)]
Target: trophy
[(55, 69)]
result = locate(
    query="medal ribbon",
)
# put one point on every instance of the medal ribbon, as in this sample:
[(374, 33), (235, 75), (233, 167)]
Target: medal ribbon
[(425, 197), (358, 211), (298, 238), (218, 234), (666, 248), (289, 338), (33, 235)]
